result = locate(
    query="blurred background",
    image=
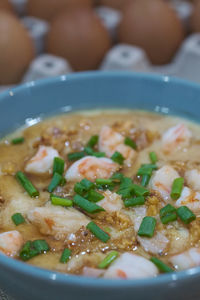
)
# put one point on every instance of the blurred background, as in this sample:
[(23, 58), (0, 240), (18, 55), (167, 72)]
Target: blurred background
[(44, 38)]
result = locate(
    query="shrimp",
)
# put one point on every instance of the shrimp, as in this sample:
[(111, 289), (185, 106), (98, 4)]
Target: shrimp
[(111, 141), (162, 181), (189, 198), (156, 245), (58, 222), (187, 259), (193, 179), (129, 266), (11, 242), (91, 167), (42, 161), (175, 138), (112, 202)]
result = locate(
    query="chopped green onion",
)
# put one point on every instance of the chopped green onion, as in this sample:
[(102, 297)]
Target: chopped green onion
[(177, 187), (118, 176), (40, 245), (168, 209), (93, 141), (94, 196), (63, 181), (58, 165), (18, 219), (31, 249), (75, 155), (98, 232), (185, 214), (28, 251), (65, 255), (83, 186), (99, 154), (140, 191), (108, 260), (126, 188), (55, 200), (147, 227), (118, 158), (145, 180), (18, 140), (161, 265), (86, 205), (55, 181), (134, 201), (91, 152), (27, 185), (168, 214), (153, 157), (146, 169), (129, 142), (169, 218), (102, 181)]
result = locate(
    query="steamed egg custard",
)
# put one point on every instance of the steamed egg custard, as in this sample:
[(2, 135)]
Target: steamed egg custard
[(102, 194)]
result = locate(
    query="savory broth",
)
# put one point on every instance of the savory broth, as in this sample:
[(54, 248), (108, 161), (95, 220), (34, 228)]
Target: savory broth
[(151, 208)]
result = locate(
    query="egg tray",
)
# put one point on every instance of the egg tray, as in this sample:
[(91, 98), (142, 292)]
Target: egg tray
[(186, 63)]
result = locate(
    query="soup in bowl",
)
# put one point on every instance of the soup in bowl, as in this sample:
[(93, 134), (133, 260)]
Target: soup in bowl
[(99, 192)]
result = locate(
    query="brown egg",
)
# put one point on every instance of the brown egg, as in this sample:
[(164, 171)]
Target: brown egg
[(79, 36), (47, 9), (16, 49), (6, 5), (117, 4), (195, 18), (154, 26)]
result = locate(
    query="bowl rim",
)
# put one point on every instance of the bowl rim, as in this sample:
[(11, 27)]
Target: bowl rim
[(86, 282)]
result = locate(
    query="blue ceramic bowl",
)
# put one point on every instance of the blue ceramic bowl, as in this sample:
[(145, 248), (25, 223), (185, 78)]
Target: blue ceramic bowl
[(87, 91)]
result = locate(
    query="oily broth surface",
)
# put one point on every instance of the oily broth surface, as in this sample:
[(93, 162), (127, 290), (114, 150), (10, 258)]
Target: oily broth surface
[(80, 127)]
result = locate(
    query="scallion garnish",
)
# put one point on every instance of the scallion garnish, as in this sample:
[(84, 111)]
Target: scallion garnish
[(102, 181), (58, 165), (118, 177), (98, 232), (118, 158), (55, 181), (185, 214), (129, 142), (86, 205), (93, 141), (134, 201), (65, 255), (140, 191), (27, 185), (18, 219), (83, 186), (55, 200), (161, 265), (168, 214), (147, 227), (126, 188), (177, 187), (28, 251), (168, 209), (40, 245), (31, 249), (153, 157), (75, 155), (145, 180), (169, 218), (18, 140), (146, 171), (94, 196), (108, 260)]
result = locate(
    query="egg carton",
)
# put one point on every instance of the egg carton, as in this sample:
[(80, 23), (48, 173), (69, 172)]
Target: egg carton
[(186, 63)]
